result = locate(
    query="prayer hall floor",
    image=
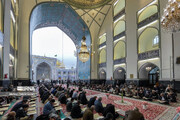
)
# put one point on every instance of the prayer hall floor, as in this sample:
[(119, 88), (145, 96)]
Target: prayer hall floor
[(154, 111)]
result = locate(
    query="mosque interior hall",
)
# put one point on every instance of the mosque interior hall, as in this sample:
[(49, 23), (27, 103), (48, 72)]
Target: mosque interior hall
[(127, 60)]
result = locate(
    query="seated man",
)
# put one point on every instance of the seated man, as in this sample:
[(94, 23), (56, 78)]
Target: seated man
[(154, 94), (22, 113), (48, 107), (91, 101), (163, 99), (109, 116), (110, 109), (83, 98), (62, 98), (98, 105), (133, 115), (88, 114), (148, 96), (19, 105), (171, 96), (69, 105), (75, 95), (76, 111)]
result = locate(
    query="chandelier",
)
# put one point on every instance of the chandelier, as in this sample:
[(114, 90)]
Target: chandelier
[(84, 53), (170, 20), (148, 68)]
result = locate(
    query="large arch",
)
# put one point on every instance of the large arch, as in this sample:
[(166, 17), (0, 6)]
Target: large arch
[(147, 12), (148, 74), (119, 27), (65, 18), (145, 41), (43, 71), (102, 74), (119, 6), (102, 56), (119, 50), (119, 75)]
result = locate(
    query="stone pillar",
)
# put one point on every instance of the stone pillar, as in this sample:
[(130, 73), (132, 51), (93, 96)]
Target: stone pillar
[(7, 19)]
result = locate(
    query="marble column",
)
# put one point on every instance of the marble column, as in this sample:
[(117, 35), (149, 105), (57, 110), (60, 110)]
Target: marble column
[(7, 20)]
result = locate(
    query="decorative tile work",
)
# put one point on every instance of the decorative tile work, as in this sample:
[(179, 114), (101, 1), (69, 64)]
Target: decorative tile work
[(64, 17), (148, 55)]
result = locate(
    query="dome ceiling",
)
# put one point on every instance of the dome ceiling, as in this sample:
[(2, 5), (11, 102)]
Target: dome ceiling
[(87, 3)]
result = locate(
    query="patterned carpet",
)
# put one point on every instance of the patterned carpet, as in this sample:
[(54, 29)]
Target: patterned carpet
[(154, 111)]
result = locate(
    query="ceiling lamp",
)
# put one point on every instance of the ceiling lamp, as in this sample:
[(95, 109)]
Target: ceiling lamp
[(84, 53), (148, 68), (119, 71), (170, 20)]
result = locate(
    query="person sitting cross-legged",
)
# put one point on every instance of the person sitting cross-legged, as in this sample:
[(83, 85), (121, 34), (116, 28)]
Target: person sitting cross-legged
[(76, 111), (133, 115), (83, 98), (21, 113), (110, 109), (98, 105), (91, 101), (88, 114), (109, 116), (49, 107), (163, 99), (19, 105), (69, 105)]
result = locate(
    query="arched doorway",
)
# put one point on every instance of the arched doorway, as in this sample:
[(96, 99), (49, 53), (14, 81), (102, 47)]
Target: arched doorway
[(119, 75), (43, 71), (63, 16), (149, 73), (102, 75)]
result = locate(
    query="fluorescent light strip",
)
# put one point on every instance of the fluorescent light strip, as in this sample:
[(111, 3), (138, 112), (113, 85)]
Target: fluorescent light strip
[(102, 47), (14, 1), (10, 55), (12, 16), (149, 59), (116, 2), (147, 6), (120, 39), (119, 65), (148, 25), (102, 35), (119, 18)]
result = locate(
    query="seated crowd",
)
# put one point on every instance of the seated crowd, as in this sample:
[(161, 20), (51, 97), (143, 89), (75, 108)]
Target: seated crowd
[(159, 93), (75, 101)]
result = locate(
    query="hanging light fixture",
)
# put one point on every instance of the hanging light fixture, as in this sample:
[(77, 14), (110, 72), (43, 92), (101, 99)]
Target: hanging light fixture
[(148, 69), (84, 53), (170, 19)]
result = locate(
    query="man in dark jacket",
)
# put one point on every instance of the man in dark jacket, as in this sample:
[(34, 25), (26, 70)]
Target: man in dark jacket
[(19, 105), (98, 105), (83, 98), (133, 115), (91, 101), (62, 98), (48, 107), (110, 109), (22, 112), (69, 105), (76, 111)]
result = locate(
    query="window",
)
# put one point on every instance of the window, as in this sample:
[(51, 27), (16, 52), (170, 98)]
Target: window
[(156, 41)]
